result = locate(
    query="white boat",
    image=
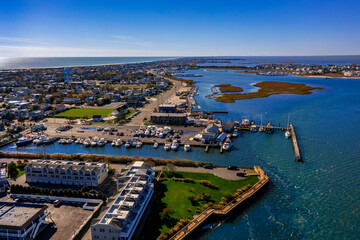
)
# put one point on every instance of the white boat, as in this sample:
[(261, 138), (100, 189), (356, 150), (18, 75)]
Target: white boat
[(95, 139), (93, 144), (287, 134), (118, 142), (245, 122), (253, 128), (235, 133), (261, 128), (187, 148), (78, 141), (167, 146), (40, 140), (156, 145), (147, 132), (128, 144), (113, 142), (102, 142), (49, 140), (138, 144), (69, 141), (227, 144), (174, 145), (87, 142)]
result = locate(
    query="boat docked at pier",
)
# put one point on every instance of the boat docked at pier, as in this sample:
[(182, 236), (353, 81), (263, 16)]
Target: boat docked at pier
[(227, 144), (174, 145), (187, 148), (23, 141), (167, 146)]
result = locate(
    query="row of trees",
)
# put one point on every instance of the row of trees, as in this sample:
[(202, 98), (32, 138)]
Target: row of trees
[(85, 192)]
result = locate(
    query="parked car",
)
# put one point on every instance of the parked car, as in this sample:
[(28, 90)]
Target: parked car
[(208, 166), (232, 168)]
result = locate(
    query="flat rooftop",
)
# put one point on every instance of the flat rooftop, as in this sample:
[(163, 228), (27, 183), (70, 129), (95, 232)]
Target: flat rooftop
[(19, 215)]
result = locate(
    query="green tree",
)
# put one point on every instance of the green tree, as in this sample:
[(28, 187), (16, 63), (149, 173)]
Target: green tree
[(12, 170), (165, 215)]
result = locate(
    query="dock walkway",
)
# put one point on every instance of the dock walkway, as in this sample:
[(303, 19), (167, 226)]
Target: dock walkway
[(295, 143), (200, 219)]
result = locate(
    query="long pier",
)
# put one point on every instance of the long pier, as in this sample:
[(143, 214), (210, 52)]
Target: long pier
[(295, 144), (224, 211)]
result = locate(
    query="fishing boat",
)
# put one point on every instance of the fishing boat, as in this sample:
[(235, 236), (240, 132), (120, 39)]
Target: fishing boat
[(269, 128), (174, 145), (23, 141), (253, 128), (227, 145), (187, 148), (167, 146)]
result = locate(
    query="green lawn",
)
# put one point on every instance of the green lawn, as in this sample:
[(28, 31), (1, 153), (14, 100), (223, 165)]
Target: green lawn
[(85, 112), (174, 195), (130, 113), (20, 172)]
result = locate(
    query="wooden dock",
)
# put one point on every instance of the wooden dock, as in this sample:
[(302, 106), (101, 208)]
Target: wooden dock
[(224, 211), (295, 144)]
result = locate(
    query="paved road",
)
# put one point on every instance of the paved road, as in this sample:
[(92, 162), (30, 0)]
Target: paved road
[(149, 108)]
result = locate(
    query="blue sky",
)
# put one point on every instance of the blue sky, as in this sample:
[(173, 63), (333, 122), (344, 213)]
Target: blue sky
[(178, 28)]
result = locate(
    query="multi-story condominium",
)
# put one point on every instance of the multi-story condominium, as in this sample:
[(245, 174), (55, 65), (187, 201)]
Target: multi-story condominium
[(122, 218), (66, 172), (20, 221)]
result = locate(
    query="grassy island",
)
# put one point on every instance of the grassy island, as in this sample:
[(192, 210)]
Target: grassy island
[(228, 88), (268, 88), (181, 195)]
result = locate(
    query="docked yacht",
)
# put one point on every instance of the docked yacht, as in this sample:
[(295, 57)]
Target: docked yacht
[(187, 148), (49, 140), (87, 142), (118, 142), (128, 143), (174, 145), (40, 140), (287, 134), (253, 128), (227, 144), (101, 142), (167, 146), (235, 133)]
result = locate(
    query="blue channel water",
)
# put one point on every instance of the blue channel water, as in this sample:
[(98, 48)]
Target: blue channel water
[(316, 199)]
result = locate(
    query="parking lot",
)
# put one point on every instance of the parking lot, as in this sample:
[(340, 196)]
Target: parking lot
[(64, 220)]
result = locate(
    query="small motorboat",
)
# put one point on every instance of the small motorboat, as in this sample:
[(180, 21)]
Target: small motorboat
[(227, 144), (167, 146), (156, 145), (187, 148)]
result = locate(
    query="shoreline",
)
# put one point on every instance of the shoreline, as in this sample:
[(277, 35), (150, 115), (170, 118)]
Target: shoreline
[(78, 66)]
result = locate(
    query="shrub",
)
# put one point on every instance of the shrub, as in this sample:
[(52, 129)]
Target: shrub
[(187, 180), (208, 184)]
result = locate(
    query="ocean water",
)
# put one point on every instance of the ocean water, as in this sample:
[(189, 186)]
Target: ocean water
[(41, 62), (316, 199)]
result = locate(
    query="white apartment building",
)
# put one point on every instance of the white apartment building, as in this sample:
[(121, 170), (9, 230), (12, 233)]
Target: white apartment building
[(66, 172), (122, 218)]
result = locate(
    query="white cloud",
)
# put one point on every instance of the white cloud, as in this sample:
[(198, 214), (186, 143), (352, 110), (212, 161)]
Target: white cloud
[(21, 40), (123, 37)]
